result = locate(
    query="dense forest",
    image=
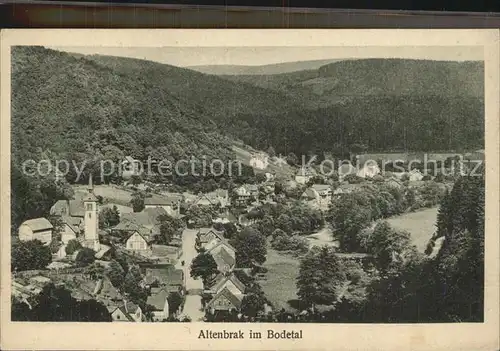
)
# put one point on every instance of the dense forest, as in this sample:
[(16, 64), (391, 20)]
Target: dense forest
[(89, 108), (98, 104)]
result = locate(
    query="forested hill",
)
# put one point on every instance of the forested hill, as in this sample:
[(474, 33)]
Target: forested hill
[(98, 104), (86, 103), (67, 105), (364, 77), (385, 104)]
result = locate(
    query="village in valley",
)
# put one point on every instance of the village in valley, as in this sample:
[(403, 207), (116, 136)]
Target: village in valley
[(339, 191), (167, 256)]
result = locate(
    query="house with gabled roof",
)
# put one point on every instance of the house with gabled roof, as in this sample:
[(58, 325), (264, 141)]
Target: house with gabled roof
[(206, 235), (319, 195), (36, 228), (217, 199), (126, 312), (230, 282), (244, 193), (72, 228), (224, 255), (158, 300), (225, 300)]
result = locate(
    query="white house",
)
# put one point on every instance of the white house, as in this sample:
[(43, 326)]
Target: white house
[(245, 192), (369, 170), (138, 243), (128, 312), (259, 161), (415, 175), (304, 174), (319, 194), (37, 228), (171, 204)]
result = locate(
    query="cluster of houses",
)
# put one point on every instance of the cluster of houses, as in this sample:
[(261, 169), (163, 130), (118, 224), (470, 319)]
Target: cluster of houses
[(226, 289)]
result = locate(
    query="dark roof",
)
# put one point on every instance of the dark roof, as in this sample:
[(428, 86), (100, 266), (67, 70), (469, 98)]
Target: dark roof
[(321, 187), (168, 276), (231, 278), (164, 251), (235, 300), (72, 222), (203, 233), (146, 218), (38, 224), (90, 197), (223, 242), (223, 257)]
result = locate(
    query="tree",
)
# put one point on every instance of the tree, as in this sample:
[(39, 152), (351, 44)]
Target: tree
[(95, 271), (205, 267), (169, 227), (349, 216), (85, 256), (292, 159), (260, 178), (271, 152), (137, 201), (200, 216), (131, 286), (109, 217), (230, 230), (175, 301), (253, 304), (284, 222), (390, 247), (72, 246), (321, 275), (116, 274), (55, 304), (136, 179), (27, 255), (250, 247), (278, 188)]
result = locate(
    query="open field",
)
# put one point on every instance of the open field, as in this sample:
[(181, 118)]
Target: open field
[(112, 193), (279, 286), (420, 224)]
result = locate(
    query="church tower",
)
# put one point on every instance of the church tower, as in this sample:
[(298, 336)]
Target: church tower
[(91, 219)]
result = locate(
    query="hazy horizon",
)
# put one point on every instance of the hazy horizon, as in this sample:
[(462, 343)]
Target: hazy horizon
[(261, 56)]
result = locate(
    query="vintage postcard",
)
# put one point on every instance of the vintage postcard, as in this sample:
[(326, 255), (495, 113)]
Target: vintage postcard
[(250, 189)]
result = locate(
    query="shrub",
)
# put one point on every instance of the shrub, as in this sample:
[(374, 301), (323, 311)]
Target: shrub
[(85, 257), (72, 246)]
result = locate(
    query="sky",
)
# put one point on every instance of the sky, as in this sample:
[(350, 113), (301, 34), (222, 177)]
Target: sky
[(255, 56)]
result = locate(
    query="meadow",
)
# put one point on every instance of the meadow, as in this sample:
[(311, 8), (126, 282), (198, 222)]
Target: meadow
[(421, 225)]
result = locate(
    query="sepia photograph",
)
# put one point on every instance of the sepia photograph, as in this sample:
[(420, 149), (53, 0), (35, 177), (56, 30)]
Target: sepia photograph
[(274, 184)]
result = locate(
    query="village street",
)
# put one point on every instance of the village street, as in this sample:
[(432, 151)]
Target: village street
[(194, 287)]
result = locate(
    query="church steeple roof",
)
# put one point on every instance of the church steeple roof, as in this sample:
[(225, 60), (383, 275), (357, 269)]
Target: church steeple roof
[(90, 197)]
